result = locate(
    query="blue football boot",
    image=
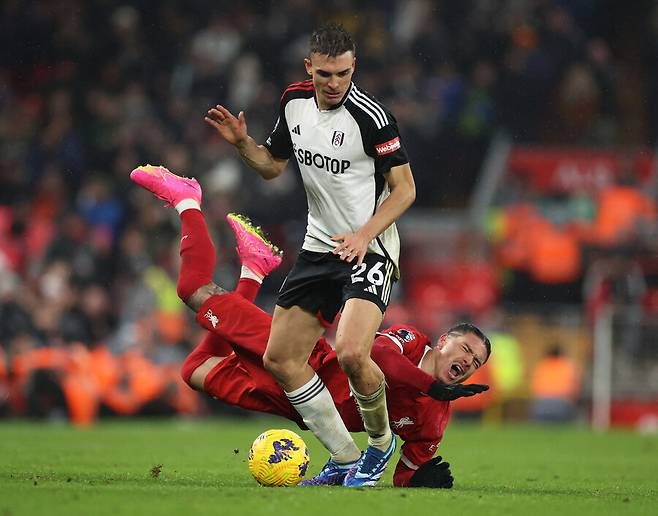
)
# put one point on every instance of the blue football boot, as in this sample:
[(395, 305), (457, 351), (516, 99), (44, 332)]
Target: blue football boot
[(332, 474), (370, 467)]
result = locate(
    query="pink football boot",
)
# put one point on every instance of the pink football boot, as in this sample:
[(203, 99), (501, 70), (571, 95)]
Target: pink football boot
[(165, 185), (256, 252)]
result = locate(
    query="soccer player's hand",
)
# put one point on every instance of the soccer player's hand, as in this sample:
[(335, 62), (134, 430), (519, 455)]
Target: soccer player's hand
[(351, 246), (433, 473), (449, 392), (232, 129)]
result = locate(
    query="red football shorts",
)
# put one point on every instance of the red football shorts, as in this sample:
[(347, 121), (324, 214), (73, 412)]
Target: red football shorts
[(240, 379)]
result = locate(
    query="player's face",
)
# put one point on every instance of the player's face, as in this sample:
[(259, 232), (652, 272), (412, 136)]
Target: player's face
[(331, 77), (458, 357)]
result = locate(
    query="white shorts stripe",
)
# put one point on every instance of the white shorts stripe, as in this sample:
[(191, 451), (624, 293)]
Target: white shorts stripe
[(388, 284)]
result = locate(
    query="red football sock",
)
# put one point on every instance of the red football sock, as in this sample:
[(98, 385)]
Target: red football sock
[(248, 288), (197, 254)]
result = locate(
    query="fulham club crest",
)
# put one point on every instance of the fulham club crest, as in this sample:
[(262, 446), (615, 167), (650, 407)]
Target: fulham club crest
[(337, 138)]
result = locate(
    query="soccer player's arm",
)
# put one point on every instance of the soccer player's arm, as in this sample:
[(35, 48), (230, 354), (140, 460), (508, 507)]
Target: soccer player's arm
[(271, 158), (389, 352), (234, 130), (392, 162), (403, 193), (261, 159), (412, 455)]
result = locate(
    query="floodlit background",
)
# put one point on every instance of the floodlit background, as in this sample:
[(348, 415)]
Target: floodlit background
[(531, 127)]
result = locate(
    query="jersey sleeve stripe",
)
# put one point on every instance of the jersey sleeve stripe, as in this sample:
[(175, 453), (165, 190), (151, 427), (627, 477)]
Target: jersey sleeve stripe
[(307, 82), (297, 86), (407, 462), (376, 107), (367, 100), (366, 110)]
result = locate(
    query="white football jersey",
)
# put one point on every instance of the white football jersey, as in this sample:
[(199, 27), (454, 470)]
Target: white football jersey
[(342, 154)]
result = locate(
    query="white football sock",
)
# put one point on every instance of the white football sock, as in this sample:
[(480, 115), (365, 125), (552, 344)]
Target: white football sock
[(187, 204), (246, 272), (375, 417), (314, 403)]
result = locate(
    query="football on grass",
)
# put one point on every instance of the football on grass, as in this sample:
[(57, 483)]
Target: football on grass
[(278, 458)]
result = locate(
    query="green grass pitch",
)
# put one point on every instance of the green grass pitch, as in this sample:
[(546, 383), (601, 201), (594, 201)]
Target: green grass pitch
[(185, 468)]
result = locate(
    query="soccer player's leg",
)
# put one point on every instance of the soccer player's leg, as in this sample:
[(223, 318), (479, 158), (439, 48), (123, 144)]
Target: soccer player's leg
[(196, 248), (356, 330), (237, 379), (287, 347), (210, 352), (231, 319), (308, 302), (258, 256), (197, 259), (366, 299)]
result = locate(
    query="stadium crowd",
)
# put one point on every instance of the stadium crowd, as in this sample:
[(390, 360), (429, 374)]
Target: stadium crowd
[(90, 89)]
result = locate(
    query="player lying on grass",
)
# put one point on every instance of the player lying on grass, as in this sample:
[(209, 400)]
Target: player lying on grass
[(421, 379)]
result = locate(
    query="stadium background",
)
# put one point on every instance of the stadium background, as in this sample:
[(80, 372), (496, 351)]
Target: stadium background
[(531, 127)]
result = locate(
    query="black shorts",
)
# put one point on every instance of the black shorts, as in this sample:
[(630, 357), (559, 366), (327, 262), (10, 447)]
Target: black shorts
[(320, 283)]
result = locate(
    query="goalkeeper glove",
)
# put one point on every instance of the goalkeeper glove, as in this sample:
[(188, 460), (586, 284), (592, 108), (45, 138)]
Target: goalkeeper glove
[(449, 392), (433, 473)]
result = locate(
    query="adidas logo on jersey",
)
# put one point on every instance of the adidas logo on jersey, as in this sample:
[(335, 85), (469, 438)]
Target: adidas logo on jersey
[(297, 130)]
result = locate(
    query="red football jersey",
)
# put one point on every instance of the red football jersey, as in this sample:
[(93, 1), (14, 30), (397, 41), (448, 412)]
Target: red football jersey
[(241, 379), (418, 419)]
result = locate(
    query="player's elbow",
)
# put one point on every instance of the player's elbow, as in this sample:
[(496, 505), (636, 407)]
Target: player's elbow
[(273, 169), (405, 194), (270, 173), (409, 194)]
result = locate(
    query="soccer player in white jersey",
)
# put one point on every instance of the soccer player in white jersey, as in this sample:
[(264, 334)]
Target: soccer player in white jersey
[(358, 182)]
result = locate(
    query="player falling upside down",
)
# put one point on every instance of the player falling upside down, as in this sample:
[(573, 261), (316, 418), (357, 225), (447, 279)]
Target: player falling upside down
[(421, 379)]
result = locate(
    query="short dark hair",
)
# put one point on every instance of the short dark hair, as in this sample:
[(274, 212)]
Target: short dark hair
[(464, 328), (332, 40)]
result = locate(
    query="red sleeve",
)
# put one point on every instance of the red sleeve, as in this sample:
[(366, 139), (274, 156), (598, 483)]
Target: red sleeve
[(412, 455), (402, 475), (396, 367), (409, 340)]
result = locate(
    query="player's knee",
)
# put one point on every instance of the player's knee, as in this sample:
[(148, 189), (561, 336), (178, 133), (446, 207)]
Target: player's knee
[(351, 359), (282, 369)]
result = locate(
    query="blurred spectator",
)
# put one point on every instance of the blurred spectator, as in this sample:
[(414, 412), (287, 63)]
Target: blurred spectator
[(555, 387), (624, 214), (90, 89)]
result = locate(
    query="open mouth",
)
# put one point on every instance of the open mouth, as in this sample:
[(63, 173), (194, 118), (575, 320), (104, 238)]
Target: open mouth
[(455, 371)]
